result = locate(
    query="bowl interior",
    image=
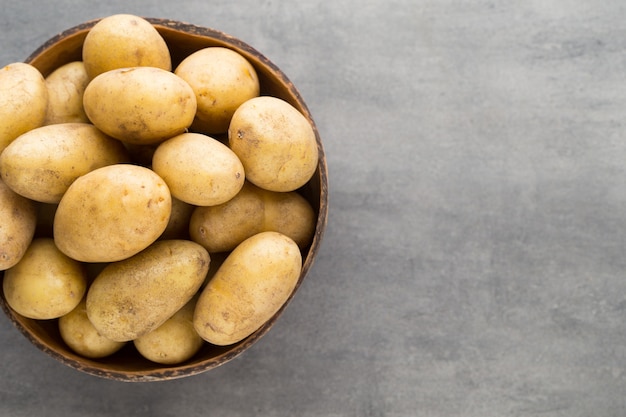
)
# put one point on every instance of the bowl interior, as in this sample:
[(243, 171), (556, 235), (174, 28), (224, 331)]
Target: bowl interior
[(127, 364)]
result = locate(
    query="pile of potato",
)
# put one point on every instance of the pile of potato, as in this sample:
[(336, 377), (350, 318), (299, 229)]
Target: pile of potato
[(145, 204)]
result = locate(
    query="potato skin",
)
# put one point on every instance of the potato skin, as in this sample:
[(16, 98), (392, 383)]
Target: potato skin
[(135, 296), (23, 101), (252, 284), (41, 164), (174, 341), (66, 86), (275, 143), (80, 335), (45, 283), (112, 213), (198, 169), (124, 40), (140, 105), (253, 210), (17, 228)]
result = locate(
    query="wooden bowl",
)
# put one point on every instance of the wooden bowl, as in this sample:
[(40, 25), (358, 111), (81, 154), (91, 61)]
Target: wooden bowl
[(127, 364)]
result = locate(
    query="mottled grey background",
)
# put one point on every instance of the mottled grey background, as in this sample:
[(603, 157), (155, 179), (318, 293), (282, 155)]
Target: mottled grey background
[(474, 261)]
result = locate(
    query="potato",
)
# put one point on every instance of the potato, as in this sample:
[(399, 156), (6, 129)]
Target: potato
[(45, 283), (66, 86), (135, 296), (124, 40), (17, 228), (23, 101), (198, 169), (174, 341), (41, 164), (222, 80), (275, 143), (178, 225), (80, 335), (112, 213), (253, 210), (140, 105), (252, 284)]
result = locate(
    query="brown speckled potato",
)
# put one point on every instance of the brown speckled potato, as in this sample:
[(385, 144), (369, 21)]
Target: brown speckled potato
[(124, 40), (41, 164), (23, 101), (222, 80), (44, 284), (112, 213), (140, 105), (135, 296), (80, 335), (66, 86), (252, 284), (174, 341), (275, 143), (17, 226), (198, 169), (253, 210)]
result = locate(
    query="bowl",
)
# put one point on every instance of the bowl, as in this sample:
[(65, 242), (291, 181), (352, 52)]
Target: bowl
[(127, 365)]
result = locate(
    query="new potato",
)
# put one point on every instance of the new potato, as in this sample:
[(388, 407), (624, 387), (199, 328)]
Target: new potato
[(66, 86), (17, 225), (135, 296), (42, 163)]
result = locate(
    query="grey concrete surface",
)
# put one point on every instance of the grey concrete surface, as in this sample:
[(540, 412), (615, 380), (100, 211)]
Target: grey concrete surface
[(474, 261)]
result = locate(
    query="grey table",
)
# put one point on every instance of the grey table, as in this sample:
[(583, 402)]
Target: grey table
[(474, 261)]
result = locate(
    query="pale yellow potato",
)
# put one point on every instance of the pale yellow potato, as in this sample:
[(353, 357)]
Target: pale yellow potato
[(45, 283), (23, 101), (178, 225), (17, 226), (253, 210), (198, 169), (222, 80), (124, 40), (252, 284), (82, 337), (140, 105), (42, 163), (135, 296), (66, 86), (112, 213), (275, 143), (174, 341)]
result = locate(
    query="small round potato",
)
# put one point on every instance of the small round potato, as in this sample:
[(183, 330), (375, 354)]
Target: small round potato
[(135, 296), (66, 86), (275, 143), (252, 284), (112, 213), (124, 40), (174, 341), (253, 210), (198, 169), (17, 227), (222, 80), (23, 101), (140, 105), (41, 164), (45, 283), (80, 335)]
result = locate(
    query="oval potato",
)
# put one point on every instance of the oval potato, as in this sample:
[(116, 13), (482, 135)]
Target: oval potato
[(275, 143), (252, 284), (23, 101), (17, 228), (135, 296), (253, 210), (66, 86), (140, 105), (45, 283), (198, 169), (124, 40), (41, 164), (112, 213)]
